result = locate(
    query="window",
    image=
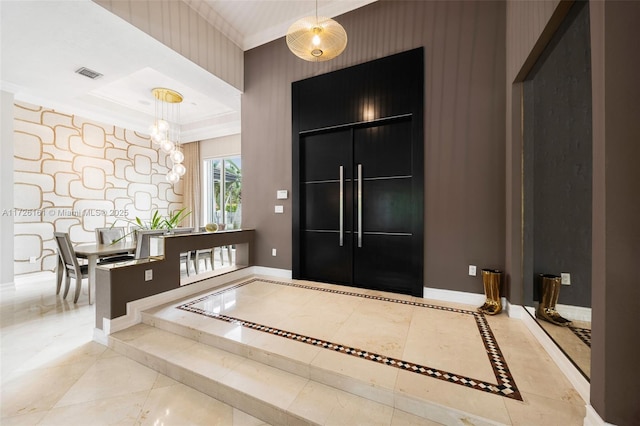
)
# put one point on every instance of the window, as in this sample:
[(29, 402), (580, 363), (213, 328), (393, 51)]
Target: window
[(223, 192)]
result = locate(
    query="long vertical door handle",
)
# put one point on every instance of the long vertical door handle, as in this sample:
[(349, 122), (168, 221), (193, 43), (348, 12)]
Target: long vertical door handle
[(359, 205), (341, 206)]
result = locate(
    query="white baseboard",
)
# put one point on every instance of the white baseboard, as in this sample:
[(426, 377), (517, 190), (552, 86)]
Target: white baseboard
[(454, 296), (515, 311), (574, 313), (33, 277), (272, 272), (99, 336), (568, 369), (593, 418), (8, 286)]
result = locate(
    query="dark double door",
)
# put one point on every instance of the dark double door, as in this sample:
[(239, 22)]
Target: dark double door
[(358, 175), (357, 206)]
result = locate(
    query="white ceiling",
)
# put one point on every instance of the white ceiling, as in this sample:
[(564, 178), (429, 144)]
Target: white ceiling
[(43, 42)]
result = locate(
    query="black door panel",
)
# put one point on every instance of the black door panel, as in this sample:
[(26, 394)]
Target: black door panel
[(384, 263), (322, 206), (323, 154), (366, 118), (325, 259), (387, 205), (384, 150)]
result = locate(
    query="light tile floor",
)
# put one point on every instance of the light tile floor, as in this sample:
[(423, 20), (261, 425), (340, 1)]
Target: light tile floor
[(52, 373)]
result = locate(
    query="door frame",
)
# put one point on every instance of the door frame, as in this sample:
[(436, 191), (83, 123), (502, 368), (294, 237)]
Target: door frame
[(408, 67)]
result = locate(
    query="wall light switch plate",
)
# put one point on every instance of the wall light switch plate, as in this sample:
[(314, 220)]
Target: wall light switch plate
[(273, 252), (148, 275), (472, 270), (279, 209), (565, 278), (282, 194)]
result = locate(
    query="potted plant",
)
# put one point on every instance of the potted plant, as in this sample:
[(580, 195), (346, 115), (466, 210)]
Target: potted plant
[(157, 221)]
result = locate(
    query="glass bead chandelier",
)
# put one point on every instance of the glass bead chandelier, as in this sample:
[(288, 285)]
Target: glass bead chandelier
[(165, 130)]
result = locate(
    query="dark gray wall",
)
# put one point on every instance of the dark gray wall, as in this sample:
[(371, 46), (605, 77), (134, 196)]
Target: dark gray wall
[(464, 129), (558, 162)]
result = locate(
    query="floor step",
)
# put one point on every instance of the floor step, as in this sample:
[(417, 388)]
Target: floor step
[(272, 378), (273, 395), (292, 357)]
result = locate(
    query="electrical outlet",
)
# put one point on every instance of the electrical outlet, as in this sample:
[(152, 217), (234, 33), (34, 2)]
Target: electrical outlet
[(279, 209), (472, 270), (565, 278), (33, 259), (273, 252), (148, 275)]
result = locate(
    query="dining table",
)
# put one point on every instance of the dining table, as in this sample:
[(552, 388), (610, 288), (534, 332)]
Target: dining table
[(93, 252)]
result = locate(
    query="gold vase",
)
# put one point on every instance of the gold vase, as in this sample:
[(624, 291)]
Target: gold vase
[(491, 280), (547, 307)]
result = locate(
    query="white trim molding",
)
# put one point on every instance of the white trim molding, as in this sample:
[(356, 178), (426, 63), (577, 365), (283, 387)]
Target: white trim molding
[(574, 313), (272, 272), (454, 296)]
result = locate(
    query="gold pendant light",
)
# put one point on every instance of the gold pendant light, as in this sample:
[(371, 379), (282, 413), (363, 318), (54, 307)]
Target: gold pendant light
[(165, 130), (316, 38)]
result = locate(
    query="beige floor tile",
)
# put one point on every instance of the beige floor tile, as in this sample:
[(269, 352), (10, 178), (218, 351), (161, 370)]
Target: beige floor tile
[(109, 377), (482, 404), (40, 389), (180, 404), (205, 360), (538, 410), (278, 352), (359, 411), (401, 418), (430, 342), (389, 338), (266, 383), (120, 410), (327, 406), (164, 381), (24, 419), (362, 377)]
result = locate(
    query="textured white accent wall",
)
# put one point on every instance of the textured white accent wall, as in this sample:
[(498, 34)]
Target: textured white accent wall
[(74, 175)]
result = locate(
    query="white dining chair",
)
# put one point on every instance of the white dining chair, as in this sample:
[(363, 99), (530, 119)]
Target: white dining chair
[(72, 267), (113, 235), (143, 242)]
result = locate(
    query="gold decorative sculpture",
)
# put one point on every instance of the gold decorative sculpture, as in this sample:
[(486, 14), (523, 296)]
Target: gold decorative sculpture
[(491, 280), (547, 306)]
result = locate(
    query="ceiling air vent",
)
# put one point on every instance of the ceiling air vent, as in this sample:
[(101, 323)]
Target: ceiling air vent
[(88, 73)]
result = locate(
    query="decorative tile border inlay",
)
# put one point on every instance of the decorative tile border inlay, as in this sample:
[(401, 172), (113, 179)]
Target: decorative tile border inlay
[(583, 333), (505, 386)]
